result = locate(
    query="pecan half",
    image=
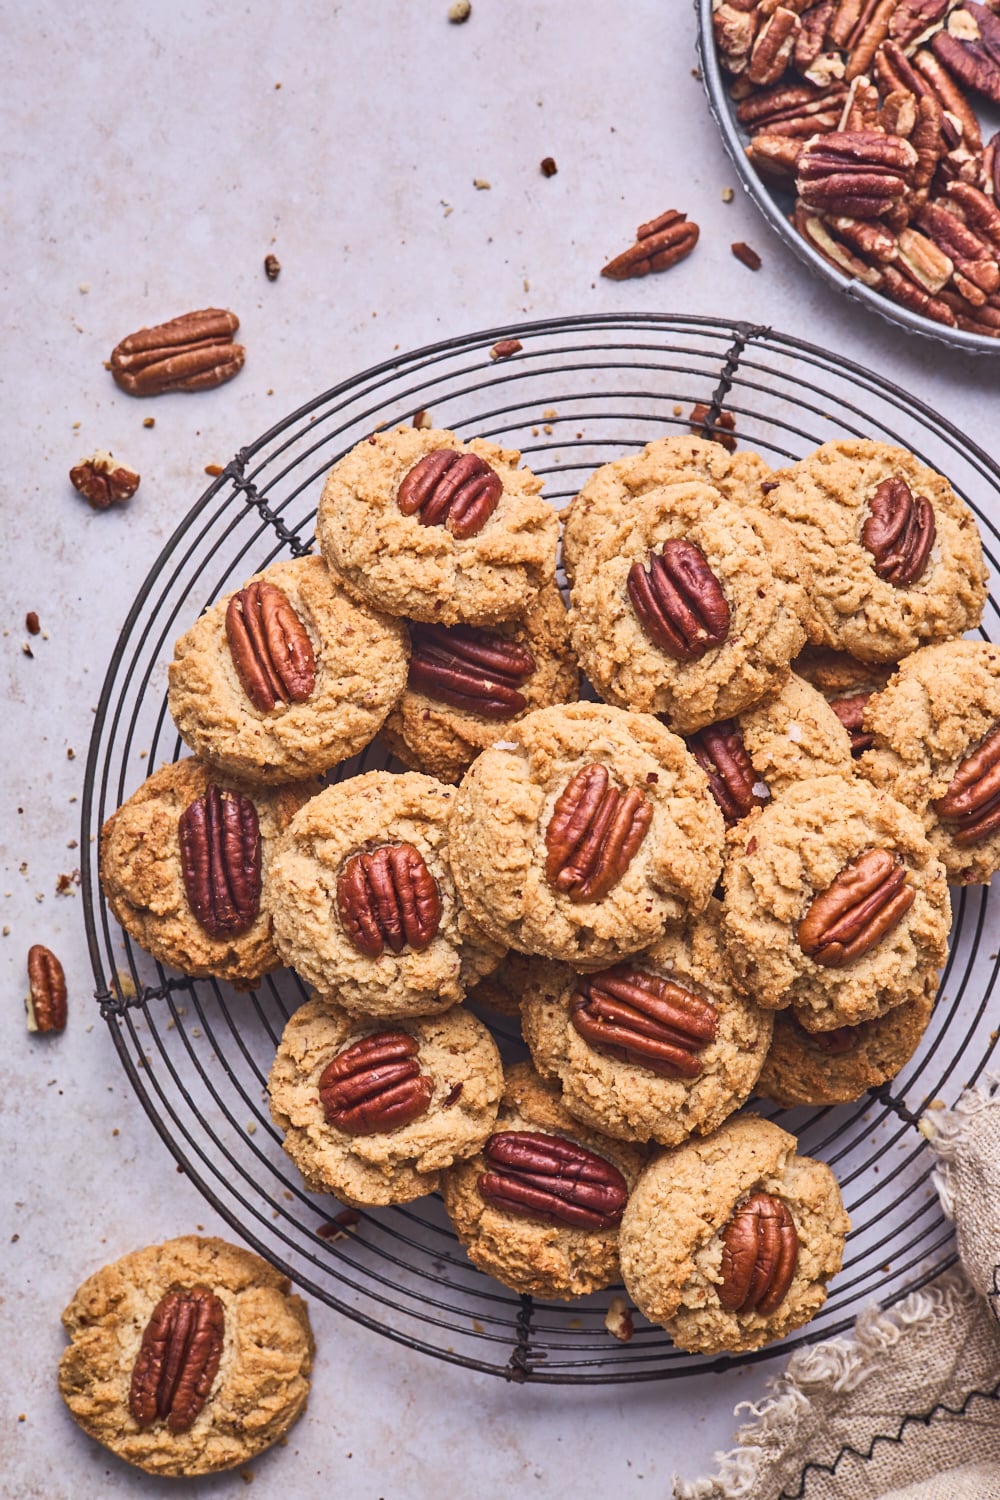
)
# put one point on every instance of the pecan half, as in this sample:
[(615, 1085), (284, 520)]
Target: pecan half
[(773, 46), (679, 601), (593, 834), (459, 491), (659, 245), (478, 671), (867, 900), (818, 232), (639, 1018), (191, 353), (178, 1359), (863, 173), (869, 37), (776, 156), (851, 712), (720, 751), (913, 19), (972, 801), (375, 1085), (970, 254), (793, 109), (221, 861), (552, 1180), (957, 109), (270, 647), (735, 24), (46, 1002), (103, 481), (387, 897), (760, 1251), (899, 532)]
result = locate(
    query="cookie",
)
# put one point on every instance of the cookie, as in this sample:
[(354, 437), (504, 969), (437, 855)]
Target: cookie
[(287, 676), (689, 607), (193, 895), (835, 903), (695, 1256), (249, 1360), (363, 900), (582, 833), (467, 683), (936, 728), (834, 1067), (895, 554), (539, 1208), (656, 1049), (791, 735), (445, 540), (670, 460), (374, 1113)]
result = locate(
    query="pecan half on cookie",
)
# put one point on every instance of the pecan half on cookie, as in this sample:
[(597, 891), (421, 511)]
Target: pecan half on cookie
[(221, 860), (457, 490), (593, 834), (867, 900), (679, 601), (270, 647), (375, 1085), (642, 1018), (178, 1359), (387, 897)]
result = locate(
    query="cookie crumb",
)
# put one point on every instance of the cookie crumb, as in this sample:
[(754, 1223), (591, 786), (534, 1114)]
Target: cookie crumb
[(481, 184), (214, 470), (149, 421), (728, 194), (460, 11), (618, 1320)]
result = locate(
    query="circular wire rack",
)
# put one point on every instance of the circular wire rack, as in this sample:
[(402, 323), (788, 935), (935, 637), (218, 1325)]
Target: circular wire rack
[(576, 393)]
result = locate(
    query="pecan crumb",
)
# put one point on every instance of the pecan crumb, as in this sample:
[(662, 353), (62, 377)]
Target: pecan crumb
[(504, 348), (728, 194), (422, 420), (718, 430), (337, 1227), (272, 267), (149, 421), (459, 12), (548, 166), (27, 650), (103, 481), (31, 624), (214, 470), (618, 1320), (747, 255), (65, 883)]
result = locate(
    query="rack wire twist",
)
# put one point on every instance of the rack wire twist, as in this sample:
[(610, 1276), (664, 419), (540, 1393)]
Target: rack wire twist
[(578, 392)]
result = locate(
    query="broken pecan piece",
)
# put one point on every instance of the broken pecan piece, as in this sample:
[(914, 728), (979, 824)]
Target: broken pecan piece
[(720, 751), (679, 601), (970, 49), (659, 245), (388, 897), (46, 1002), (972, 801), (720, 428), (103, 481), (640, 1018), (178, 1359), (375, 1085), (912, 20), (459, 491), (270, 647), (899, 532), (735, 24), (191, 353), (476, 670), (552, 1180), (773, 46), (851, 712), (593, 834), (760, 1251), (867, 900), (221, 861)]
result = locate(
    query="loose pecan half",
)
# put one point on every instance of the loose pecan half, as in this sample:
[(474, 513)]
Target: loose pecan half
[(388, 897), (640, 1018), (593, 834), (867, 900), (459, 491), (191, 353), (103, 481), (720, 751), (221, 861), (47, 990), (659, 245), (270, 647), (679, 601), (478, 671), (552, 1180), (178, 1359), (851, 712), (863, 173), (774, 45), (760, 1251), (899, 532), (869, 37), (972, 801), (375, 1085)]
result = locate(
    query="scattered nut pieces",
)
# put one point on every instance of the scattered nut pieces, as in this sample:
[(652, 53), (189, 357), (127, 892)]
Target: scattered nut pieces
[(103, 481), (548, 166), (422, 420), (504, 348), (149, 421), (31, 624), (618, 1320), (194, 352), (214, 470), (702, 426), (337, 1227), (272, 267), (460, 11), (46, 1002), (747, 255), (659, 245)]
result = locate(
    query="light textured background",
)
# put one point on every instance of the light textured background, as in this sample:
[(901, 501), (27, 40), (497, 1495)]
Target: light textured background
[(152, 156)]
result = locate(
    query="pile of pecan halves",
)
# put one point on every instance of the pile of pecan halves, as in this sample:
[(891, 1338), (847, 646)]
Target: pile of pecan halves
[(863, 108)]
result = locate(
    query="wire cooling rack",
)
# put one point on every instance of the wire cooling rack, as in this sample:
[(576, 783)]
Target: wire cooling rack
[(578, 392)]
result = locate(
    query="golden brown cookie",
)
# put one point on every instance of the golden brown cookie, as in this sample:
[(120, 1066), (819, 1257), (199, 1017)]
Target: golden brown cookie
[(251, 1350), (539, 1208), (936, 728), (689, 606), (583, 832), (729, 1241), (467, 683), (659, 1048), (876, 597), (363, 899), (373, 1111), (212, 920), (669, 460), (468, 539), (834, 1067), (835, 903)]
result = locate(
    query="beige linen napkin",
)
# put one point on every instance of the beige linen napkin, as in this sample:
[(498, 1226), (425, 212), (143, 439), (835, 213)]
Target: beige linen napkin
[(908, 1408)]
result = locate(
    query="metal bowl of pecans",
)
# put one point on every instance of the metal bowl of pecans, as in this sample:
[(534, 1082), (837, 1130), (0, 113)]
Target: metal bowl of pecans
[(861, 129)]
